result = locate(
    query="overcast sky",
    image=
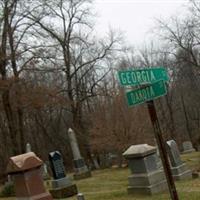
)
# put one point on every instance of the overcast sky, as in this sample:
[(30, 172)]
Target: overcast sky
[(135, 17)]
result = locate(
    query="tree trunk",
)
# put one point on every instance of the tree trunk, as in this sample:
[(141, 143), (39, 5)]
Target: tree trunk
[(186, 118), (11, 121)]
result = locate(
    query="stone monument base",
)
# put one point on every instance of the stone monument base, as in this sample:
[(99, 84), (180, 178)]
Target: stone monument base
[(147, 183), (64, 192), (82, 175), (44, 196), (60, 183), (181, 172)]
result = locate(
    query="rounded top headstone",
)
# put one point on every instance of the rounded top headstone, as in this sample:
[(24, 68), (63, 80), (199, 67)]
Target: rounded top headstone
[(23, 162), (28, 147), (139, 150), (70, 130)]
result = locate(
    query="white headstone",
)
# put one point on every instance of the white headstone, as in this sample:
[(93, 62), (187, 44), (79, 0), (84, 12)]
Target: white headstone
[(80, 196), (28, 147), (74, 144)]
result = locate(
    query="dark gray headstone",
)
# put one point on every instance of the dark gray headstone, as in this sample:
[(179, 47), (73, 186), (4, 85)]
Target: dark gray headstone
[(56, 164), (174, 153), (79, 163)]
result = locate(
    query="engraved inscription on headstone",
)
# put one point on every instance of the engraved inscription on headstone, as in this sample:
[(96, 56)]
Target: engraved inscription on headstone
[(56, 163)]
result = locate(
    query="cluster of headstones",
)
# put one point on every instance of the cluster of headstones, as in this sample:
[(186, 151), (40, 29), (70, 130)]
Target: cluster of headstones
[(147, 175), (28, 173)]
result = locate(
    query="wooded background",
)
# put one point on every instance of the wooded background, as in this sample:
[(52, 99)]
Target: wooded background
[(56, 73)]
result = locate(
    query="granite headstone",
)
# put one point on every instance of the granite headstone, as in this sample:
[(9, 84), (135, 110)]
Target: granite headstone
[(57, 166), (62, 186), (25, 170), (146, 177), (178, 167), (81, 169), (187, 147)]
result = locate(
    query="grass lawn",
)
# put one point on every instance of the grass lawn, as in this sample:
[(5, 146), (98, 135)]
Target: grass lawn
[(111, 184)]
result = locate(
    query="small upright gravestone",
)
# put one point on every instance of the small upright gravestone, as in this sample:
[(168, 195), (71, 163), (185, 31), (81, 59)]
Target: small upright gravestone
[(187, 147), (45, 173), (95, 162), (146, 177), (178, 167), (28, 147), (25, 170), (62, 186), (81, 170)]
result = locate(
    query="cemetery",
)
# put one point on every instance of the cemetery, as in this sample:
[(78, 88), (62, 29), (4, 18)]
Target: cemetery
[(85, 114), (142, 178)]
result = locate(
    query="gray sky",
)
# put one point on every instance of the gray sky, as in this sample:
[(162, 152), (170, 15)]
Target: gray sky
[(135, 17)]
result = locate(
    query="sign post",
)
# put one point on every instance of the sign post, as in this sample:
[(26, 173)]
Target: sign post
[(155, 78), (162, 150)]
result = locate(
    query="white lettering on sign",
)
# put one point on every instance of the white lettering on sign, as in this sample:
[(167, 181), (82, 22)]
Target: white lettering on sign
[(130, 77), (143, 94)]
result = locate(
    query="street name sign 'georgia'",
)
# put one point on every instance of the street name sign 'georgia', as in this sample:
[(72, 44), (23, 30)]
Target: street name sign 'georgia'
[(142, 76)]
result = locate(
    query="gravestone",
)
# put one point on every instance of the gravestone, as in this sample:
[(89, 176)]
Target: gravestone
[(28, 147), (187, 147), (61, 185), (81, 170), (178, 167), (56, 163), (95, 162), (45, 172), (105, 160), (146, 177), (80, 196), (25, 170)]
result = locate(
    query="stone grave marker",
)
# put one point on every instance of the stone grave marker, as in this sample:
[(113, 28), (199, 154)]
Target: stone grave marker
[(187, 147), (81, 170), (56, 163), (25, 171), (80, 196), (146, 177), (178, 167), (28, 147), (61, 185), (174, 153), (45, 173), (95, 162)]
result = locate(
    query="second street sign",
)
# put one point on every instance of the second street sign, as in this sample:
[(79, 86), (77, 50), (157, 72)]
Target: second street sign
[(147, 93), (142, 76)]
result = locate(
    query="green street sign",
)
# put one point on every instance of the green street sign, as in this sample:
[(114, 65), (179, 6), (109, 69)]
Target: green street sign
[(147, 93), (142, 76)]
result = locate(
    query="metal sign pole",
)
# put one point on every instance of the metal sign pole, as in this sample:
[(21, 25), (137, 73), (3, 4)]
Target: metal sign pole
[(162, 150)]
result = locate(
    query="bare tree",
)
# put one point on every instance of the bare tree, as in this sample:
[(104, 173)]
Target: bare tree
[(83, 55)]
